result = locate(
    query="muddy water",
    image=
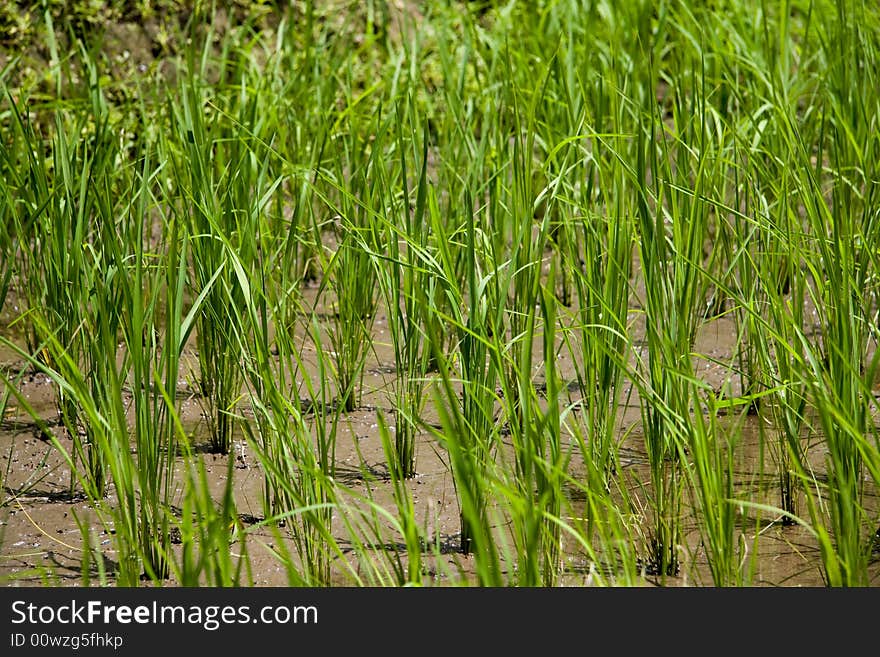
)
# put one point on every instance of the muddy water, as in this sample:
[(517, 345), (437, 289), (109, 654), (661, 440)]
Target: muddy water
[(41, 542)]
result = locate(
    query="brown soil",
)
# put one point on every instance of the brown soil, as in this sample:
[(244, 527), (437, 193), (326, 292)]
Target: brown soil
[(40, 541)]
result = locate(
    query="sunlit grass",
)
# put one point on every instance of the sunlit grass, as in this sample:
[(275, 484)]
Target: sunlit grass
[(543, 206)]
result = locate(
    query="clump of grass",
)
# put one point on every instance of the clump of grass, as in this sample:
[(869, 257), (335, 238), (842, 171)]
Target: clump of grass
[(211, 213), (63, 260), (298, 461), (406, 287), (350, 271), (403, 500), (601, 264), (126, 287), (709, 463), (473, 479), (476, 318), (537, 527)]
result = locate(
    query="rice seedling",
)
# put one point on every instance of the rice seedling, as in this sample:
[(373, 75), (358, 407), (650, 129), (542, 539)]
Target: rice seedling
[(473, 481), (537, 530), (349, 272), (710, 467), (528, 498), (601, 263), (211, 212), (209, 532), (405, 284), (839, 384), (784, 354), (660, 433), (409, 527), (473, 414), (64, 261), (7, 242), (141, 471), (298, 459)]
